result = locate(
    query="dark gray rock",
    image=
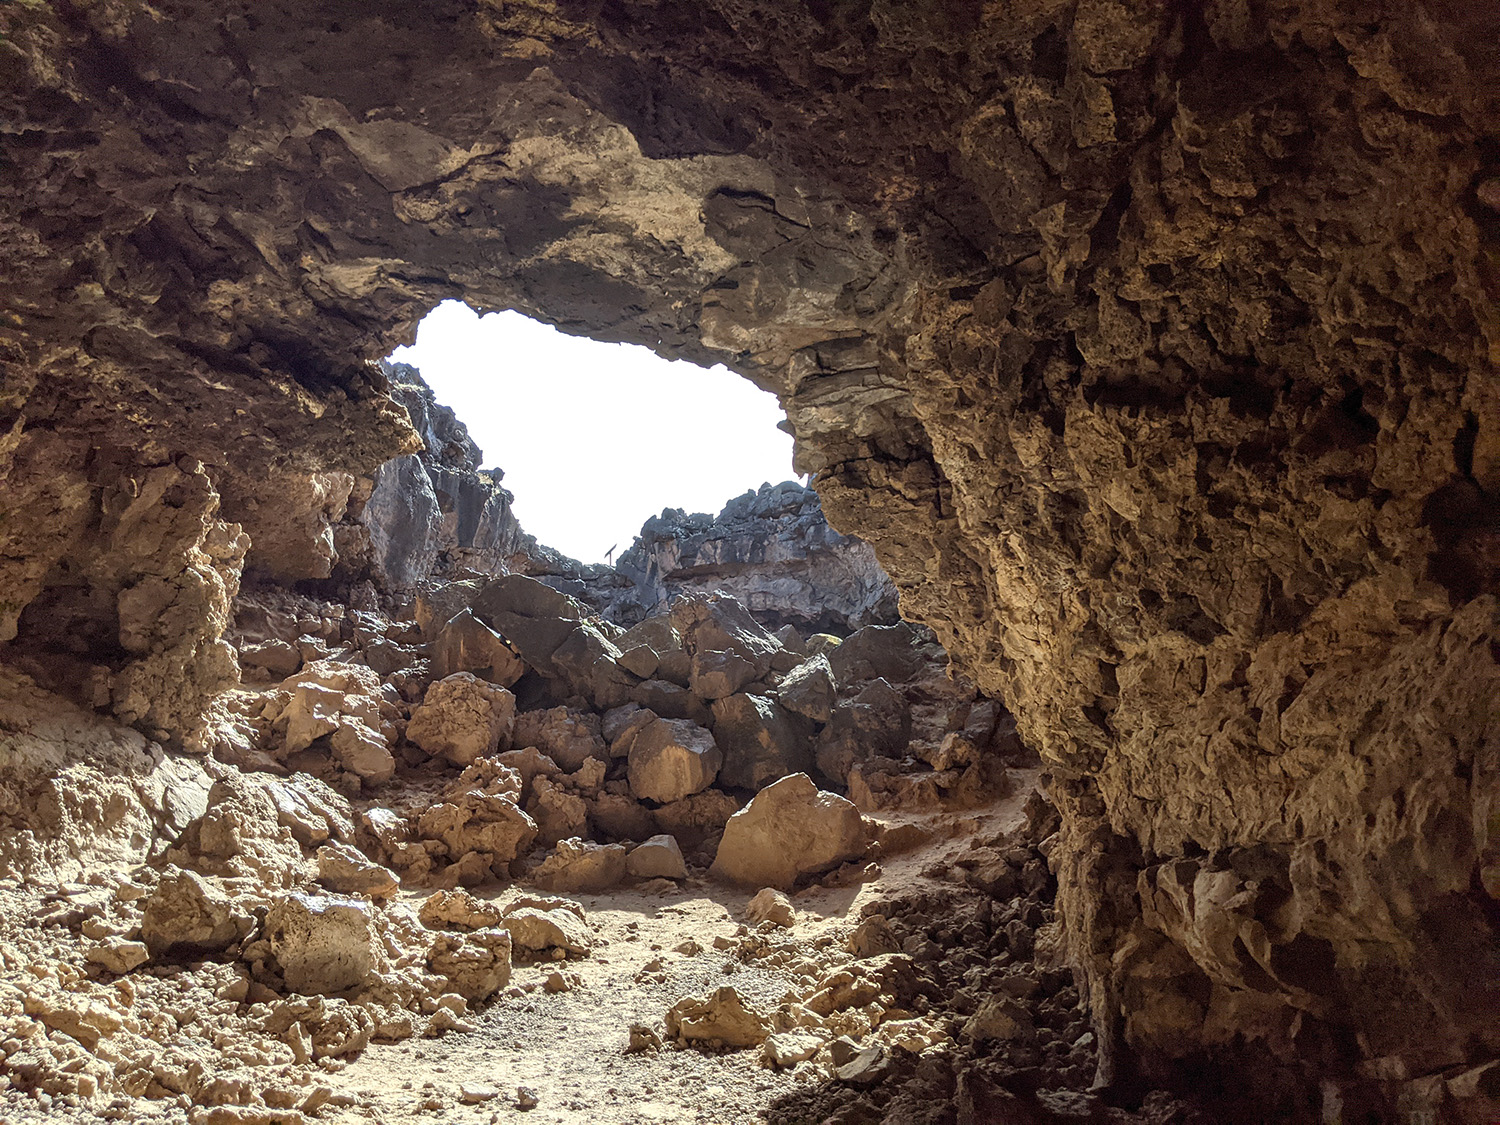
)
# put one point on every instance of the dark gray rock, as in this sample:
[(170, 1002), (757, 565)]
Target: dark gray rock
[(762, 741)]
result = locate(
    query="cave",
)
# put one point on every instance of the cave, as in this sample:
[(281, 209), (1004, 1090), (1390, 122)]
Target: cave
[(1151, 347)]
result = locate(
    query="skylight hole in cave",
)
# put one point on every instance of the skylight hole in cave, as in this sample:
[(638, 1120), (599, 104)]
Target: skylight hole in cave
[(594, 438)]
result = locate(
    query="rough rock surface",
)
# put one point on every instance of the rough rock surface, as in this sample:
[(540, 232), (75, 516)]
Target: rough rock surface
[(462, 718), (1151, 347), (671, 759), (790, 829), (771, 549)]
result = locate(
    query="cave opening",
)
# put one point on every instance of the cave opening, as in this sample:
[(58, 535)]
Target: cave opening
[(595, 438)]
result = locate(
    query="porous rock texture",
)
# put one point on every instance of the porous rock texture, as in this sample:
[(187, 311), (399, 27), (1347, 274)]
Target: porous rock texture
[(772, 549), (1151, 347)]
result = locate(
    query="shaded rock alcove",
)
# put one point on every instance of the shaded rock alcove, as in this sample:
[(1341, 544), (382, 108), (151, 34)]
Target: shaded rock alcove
[(1151, 347)]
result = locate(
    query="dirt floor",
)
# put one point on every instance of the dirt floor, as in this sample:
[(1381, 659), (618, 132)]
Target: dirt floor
[(571, 1048), (554, 1047)]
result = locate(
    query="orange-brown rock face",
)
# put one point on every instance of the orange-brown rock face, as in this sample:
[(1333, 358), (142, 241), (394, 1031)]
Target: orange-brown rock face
[(1151, 346)]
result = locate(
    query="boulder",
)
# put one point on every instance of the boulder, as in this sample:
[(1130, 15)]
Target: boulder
[(761, 741), (437, 602), (462, 718), (671, 759), (457, 909), (885, 652), (657, 858), (347, 870), (329, 697), (619, 816), (727, 648), (558, 813), (581, 865), (770, 905), (117, 955), (724, 1017), (589, 664), (323, 943), (533, 617), (476, 821), (567, 736), (185, 916), (821, 644), (621, 724), (467, 644), (695, 819), (538, 930), (476, 965), (791, 640), (669, 700), (789, 830), (277, 657), (876, 723), (529, 764), (809, 689), (643, 645), (313, 810)]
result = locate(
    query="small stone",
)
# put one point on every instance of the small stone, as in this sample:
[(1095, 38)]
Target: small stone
[(723, 1016), (118, 956), (643, 1038), (473, 1093), (770, 905), (347, 870), (526, 1098)]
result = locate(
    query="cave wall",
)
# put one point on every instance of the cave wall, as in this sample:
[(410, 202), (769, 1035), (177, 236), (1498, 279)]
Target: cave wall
[(1151, 345)]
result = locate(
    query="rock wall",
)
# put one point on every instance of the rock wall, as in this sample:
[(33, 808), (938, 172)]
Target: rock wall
[(1152, 347), (771, 549)]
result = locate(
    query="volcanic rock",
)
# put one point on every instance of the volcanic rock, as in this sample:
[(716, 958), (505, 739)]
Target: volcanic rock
[(324, 943), (656, 858), (462, 718), (185, 915), (346, 870), (671, 759), (809, 689), (761, 741), (466, 644), (788, 830), (581, 865), (875, 723), (569, 737), (723, 1017), (476, 965), (726, 646)]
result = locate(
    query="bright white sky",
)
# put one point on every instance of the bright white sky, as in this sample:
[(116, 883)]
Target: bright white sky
[(596, 438)]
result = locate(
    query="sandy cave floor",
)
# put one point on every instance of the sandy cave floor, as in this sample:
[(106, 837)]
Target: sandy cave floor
[(570, 1047)]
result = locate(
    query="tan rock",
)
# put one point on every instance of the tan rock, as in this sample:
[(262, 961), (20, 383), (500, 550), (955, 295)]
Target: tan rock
[(462, 718), (538, 930), (476, 965), (457, 910), (347, 870), (466, 644), (186, 915), (118, 955), (558, 813), (656, 858), (698, 818), (788, 830), (671, 759), (323, 943), (581, 865), (567, 736), (722, 1017), (770, 905), (479, 822)]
